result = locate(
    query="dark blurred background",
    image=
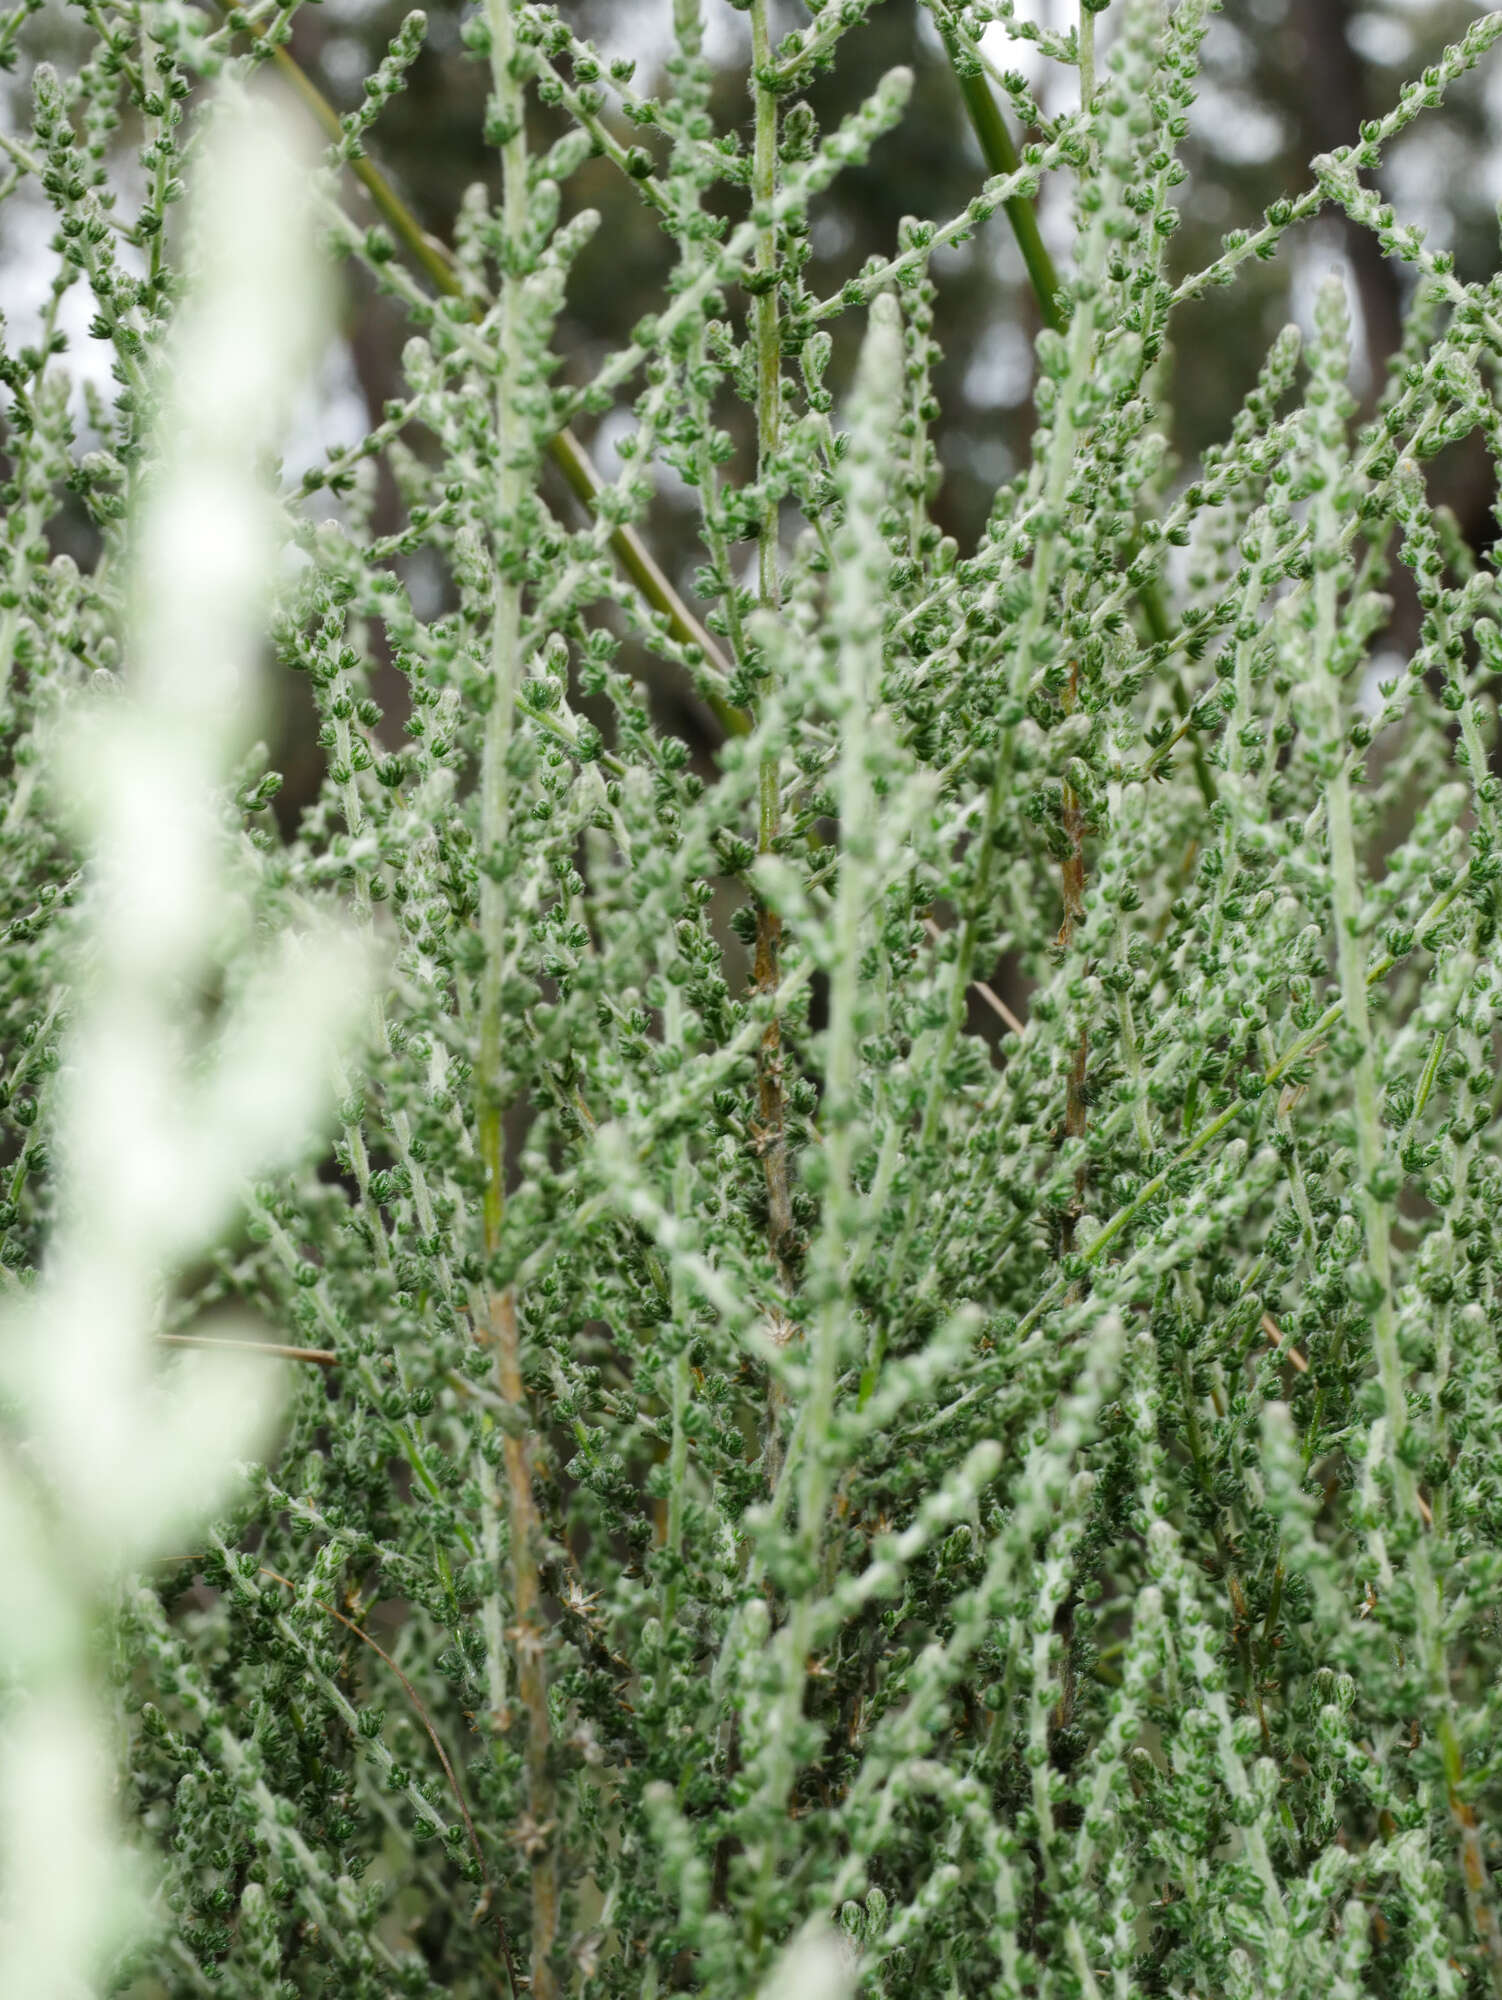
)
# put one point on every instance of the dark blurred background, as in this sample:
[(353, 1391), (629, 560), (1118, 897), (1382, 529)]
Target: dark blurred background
[(1283, 80)]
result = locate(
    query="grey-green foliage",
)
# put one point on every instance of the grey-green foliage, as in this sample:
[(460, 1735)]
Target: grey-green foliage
[(771, 1453)]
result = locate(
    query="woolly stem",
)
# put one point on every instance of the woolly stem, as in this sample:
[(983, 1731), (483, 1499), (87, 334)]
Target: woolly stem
[(1072, 896), (1087, 55), (771, 1097), (538, 1837)]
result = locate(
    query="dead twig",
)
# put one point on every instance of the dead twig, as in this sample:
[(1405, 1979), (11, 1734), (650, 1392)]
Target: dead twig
[(1289, 1353), (318, 1357), (982, 991)]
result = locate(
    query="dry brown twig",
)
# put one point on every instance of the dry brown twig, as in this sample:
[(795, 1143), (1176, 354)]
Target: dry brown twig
[(982, 991)]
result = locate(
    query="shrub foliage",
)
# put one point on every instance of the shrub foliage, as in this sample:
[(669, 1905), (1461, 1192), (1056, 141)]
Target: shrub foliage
[(785, 1435)]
